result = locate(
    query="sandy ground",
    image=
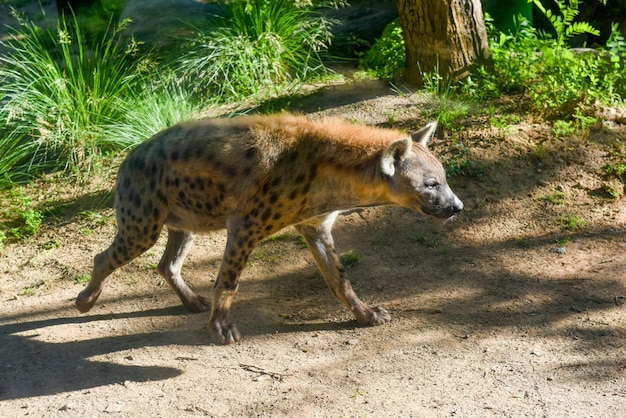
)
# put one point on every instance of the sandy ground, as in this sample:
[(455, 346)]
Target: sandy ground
[(500, 312)]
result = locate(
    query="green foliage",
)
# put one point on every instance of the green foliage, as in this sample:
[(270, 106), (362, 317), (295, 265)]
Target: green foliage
[(459, 163), (572, 223), (32, 289), (60, 91), (158, 104), (256, 47), (350, 259), (83, 278), (556, 198), (387, 56), (564, 24), (26, 218), (557, 80)]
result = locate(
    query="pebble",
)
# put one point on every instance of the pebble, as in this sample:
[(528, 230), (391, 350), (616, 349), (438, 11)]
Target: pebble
[(558, 250)]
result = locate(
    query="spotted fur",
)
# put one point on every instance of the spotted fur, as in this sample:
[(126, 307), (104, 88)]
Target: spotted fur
[(255, 175)]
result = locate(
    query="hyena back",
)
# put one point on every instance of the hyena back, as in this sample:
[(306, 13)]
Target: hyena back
[(255, 175)]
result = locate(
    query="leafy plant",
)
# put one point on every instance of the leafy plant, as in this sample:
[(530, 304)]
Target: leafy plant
[(350, 259), (387, 56), (564, 24), (257, 46), (558, 81), (458, 164)]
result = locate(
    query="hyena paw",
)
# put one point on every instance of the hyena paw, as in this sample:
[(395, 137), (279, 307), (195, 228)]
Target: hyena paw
[(375, 316), (85, 300), (197, 304), (223, 333)]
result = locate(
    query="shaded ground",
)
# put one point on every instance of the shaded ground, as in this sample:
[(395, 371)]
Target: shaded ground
[(501, 312)]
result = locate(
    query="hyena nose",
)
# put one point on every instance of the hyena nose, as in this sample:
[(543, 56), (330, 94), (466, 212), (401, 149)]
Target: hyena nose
[(457, 205)]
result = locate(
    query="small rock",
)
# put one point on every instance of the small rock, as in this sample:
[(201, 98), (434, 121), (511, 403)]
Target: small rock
[(68, 407), (114, 408), (558, 250), (352, 341)]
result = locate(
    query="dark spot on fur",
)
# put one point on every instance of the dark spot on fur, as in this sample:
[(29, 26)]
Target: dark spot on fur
[(266, 188), (174, 156), (269, 227), (137, 200), (293, 157), (126, 182), (177, 182), (147, 208), (250, 153), (181, 195), (293, 194), (299, 178), (136, 163), (232, 171), (273, 198), (266, 215), (277, 216), (247, 171), (161, 197), (156, 213)]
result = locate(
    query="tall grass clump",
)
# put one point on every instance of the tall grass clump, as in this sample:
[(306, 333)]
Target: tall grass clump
[(257, 46), (159, 103), (59, 90)]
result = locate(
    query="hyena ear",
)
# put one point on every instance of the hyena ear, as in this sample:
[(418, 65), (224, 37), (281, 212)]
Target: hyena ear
[(425, 134), (395, 152)]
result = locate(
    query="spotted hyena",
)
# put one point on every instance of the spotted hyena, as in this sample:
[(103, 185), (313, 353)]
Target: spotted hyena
[(254, 175)]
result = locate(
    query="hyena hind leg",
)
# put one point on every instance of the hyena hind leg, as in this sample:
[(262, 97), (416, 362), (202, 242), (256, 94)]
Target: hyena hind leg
[(178, 245), (105, 263)]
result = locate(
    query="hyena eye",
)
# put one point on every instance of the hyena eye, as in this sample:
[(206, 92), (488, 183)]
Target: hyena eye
[(431, 184)]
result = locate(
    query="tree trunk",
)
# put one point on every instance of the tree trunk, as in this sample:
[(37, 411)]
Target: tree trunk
[(443, 36)]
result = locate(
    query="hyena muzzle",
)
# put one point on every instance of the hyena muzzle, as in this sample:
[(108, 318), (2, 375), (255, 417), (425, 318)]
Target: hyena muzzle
[(255, 175)]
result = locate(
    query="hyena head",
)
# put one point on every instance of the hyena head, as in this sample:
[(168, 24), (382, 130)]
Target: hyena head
[(417, 179)]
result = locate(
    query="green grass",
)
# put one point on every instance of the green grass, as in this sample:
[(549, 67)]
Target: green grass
[(256, 47), (572, 223), (350, 259), (61, 91)]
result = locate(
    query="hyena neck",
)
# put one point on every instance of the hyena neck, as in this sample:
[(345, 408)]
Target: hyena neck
[(352, 187)]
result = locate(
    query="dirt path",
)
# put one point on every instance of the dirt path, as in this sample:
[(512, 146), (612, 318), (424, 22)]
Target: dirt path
[(501, 312)]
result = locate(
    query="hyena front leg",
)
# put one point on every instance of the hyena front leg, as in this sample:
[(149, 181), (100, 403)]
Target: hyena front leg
[(239, 245), (317, 233), (178, 245)]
